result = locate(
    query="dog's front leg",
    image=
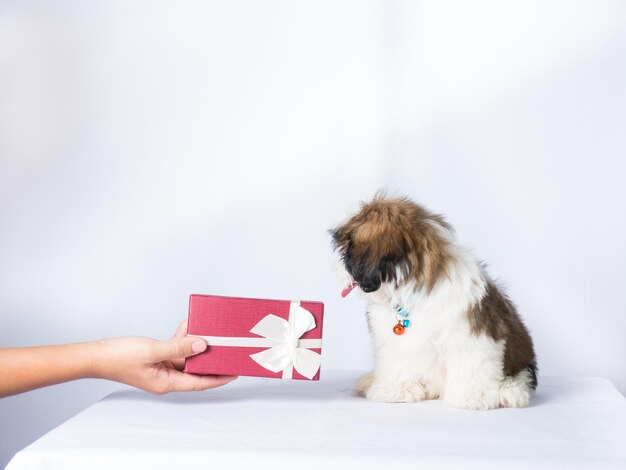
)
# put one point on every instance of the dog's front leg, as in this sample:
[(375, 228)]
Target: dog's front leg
[(390, 383)]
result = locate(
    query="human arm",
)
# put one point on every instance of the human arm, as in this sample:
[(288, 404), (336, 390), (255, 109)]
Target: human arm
[(145, 363)]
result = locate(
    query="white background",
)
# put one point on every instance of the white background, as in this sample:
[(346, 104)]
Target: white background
[(149, 150)]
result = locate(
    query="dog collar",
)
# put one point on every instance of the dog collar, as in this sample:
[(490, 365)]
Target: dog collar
[(403, 322), (402, 315)]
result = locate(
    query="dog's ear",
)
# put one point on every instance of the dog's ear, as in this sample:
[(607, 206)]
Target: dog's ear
[(339, 237)]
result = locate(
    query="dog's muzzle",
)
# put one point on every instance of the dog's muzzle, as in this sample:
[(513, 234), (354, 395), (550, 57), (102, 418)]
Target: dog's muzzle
[(367, 288)]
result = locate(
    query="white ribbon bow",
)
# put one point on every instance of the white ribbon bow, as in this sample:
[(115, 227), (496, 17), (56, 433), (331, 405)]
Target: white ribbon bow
[(289, 351), (286, 350)]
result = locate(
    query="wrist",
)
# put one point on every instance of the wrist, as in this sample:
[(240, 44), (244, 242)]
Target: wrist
[(96, 359)]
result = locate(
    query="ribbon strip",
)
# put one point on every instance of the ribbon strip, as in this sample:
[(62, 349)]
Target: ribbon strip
[(247, 342), (286, 350)]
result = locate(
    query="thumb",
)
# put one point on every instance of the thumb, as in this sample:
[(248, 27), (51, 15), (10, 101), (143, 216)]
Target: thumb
[(177, 348)]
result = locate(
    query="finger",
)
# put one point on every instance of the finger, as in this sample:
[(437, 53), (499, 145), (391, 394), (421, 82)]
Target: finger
[(182, 382), (181, 330), (177, 348)]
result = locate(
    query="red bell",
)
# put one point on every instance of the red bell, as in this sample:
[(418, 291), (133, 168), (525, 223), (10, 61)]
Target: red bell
[(398, 329)]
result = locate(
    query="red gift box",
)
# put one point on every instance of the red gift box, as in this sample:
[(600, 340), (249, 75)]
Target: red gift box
[(256, 337)]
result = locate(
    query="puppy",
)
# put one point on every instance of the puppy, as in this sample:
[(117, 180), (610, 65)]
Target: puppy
[(441, 326)]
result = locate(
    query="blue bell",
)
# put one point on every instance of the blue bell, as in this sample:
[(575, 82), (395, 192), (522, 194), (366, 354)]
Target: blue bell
[(406, 323)]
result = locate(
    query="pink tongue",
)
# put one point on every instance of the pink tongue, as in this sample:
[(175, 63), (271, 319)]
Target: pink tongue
[(346, 290)]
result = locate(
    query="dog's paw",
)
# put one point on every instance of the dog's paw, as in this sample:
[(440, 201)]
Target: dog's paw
[(404, 392), (515, 398), (363, 383), (515, 393), (474, 399)]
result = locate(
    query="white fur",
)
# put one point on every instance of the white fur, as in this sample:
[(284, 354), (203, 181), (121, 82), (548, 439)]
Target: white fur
[(439, 356)]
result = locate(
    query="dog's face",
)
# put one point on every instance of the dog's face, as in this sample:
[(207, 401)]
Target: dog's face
[(388, 241), (374, 245)]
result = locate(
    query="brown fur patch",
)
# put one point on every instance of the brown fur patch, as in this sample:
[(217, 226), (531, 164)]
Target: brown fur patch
[(496, 316), (394, 232)]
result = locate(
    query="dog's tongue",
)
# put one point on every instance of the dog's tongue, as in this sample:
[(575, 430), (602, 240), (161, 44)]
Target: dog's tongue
[(346, 290)]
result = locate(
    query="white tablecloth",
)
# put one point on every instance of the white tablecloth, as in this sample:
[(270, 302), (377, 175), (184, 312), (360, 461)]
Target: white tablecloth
[(268, 423)]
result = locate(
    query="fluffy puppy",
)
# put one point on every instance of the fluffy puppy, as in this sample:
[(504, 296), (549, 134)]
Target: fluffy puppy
[(441, 326)]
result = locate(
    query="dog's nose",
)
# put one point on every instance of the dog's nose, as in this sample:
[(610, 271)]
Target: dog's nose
[(367, 288)]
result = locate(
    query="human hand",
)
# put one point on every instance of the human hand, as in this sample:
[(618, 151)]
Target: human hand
[(152, 365)]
